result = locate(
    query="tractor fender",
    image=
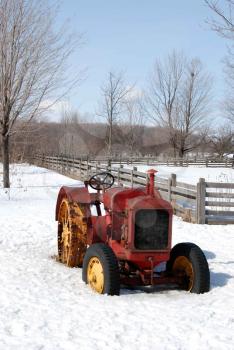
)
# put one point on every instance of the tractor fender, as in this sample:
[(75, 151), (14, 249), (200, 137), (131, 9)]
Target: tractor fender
[(72, 194)]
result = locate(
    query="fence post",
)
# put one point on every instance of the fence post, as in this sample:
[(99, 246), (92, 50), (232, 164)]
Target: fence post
[(169, 189), (173, 180), (132, 178), (43, 160), (109, 165), (62, 165), (73, 168), (87, 168), (172, 184), (119, 170), (132, 175), (201, 199), (80, 165)]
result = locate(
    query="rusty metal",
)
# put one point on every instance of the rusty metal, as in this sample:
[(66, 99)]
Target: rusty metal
[(72, 233), (150, 185), (115, 225)]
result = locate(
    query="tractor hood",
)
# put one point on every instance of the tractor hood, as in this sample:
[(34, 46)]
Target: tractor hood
[(115, 199), (148, 202), (119, 199)]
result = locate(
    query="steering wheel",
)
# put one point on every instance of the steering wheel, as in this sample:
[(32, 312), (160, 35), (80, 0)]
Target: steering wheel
[(101, 181)]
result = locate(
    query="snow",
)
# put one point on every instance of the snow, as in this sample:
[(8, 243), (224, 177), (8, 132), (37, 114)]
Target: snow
[(45, 305), (229, 155), (189, 174)]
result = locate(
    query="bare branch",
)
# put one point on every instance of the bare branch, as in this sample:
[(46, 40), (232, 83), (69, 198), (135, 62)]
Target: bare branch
[(178, 99), (33, 57), (115, 93)]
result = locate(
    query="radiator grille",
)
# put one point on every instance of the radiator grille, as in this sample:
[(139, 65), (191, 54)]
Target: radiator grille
[(151, 229)]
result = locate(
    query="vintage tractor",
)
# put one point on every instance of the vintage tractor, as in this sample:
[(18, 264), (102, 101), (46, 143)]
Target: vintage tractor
[(123, 236)]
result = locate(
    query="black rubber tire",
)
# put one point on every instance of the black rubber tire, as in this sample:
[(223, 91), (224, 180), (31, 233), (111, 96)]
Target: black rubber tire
[(110, 267), (201, 282)]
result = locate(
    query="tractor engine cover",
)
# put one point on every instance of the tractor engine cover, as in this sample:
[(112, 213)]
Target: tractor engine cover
[(115, 199), (115, 202), (142, 220)]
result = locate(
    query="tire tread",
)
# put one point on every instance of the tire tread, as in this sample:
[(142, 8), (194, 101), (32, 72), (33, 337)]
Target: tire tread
[(199, 262), (110, 266)]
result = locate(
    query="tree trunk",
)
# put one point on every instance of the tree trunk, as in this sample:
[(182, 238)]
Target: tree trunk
[(5, 156), (181, 153), (110, 141)]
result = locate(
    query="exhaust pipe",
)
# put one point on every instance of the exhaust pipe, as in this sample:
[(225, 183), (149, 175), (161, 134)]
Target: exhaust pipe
[(150, 184)]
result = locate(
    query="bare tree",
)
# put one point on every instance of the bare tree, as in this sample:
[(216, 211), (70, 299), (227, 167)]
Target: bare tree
[(161, 97), (222, 141), (193, 108), (178, 100), (32, 65), (223, 25), (114, 92), (228, 107), (70, 122), (133, 126)]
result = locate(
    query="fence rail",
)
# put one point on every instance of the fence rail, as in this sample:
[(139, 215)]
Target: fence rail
[(206, 202), (210, 162)]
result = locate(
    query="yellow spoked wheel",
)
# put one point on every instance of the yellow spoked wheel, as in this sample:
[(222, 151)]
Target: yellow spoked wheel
[(95, 275), (72, 233), (183, 268), (188, 263), (101, 269)]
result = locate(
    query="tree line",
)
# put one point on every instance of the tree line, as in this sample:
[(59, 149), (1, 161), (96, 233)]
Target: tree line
[(171, 115), (77, 138)]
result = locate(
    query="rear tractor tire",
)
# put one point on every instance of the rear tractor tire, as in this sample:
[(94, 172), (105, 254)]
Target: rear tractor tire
[(188, 262), (72, 234), (101, 270)]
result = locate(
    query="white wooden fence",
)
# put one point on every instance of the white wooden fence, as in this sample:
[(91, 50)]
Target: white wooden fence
[(209, 162), (199, 162), (206, 202)]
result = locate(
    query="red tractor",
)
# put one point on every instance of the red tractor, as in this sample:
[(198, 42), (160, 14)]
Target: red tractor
[(123, 236)]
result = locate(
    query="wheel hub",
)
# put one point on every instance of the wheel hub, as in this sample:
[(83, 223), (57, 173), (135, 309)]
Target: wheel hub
[(183, 268), (95, 275)]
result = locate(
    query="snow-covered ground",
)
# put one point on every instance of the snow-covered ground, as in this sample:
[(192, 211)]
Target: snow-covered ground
[(189, 174), (45, 305)]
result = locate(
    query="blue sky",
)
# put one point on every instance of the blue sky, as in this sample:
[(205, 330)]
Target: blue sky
[(129, 35)]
